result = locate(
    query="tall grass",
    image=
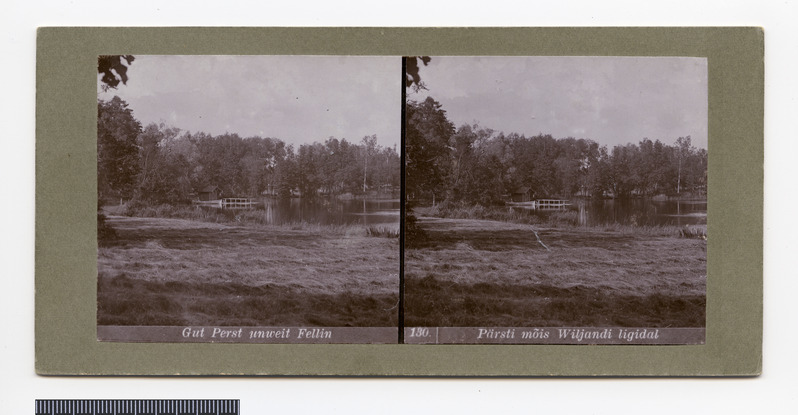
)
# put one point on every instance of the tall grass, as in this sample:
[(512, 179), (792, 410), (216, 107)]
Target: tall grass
[(104, 231), (432, 301), (382, 231), (124, 300)]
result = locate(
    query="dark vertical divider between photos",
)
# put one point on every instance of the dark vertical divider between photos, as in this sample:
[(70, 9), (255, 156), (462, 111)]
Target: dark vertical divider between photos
[(402, 210)]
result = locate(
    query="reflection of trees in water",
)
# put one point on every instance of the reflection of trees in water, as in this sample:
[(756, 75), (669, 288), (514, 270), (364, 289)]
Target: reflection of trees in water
[(640, 212), (269, 215), (329, 211)]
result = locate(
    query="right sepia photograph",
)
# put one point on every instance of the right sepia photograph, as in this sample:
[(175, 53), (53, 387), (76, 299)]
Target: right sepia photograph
[(555, 200)]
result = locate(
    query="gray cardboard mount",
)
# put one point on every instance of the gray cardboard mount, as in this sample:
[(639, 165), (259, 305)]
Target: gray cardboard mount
[(66, 248)]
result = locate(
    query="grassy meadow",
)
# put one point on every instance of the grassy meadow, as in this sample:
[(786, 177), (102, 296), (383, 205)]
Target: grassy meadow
[(168, 271), (477, 272)]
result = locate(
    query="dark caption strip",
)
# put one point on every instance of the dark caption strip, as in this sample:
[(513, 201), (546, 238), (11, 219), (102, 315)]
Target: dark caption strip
[(412, 335), (553, 335), (220, 334)]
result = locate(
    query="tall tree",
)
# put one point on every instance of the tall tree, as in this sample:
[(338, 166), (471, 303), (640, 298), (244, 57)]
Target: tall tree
[(164, 176), (683, 149), (477, 172), (622, 176), (369, 144), (427, 134), (117, 150)]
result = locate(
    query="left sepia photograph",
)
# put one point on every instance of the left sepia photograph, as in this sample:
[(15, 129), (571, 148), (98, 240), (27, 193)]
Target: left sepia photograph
[(251, 199)]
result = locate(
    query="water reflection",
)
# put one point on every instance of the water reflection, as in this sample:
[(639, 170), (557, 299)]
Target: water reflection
[(330, 211), (641, 212)]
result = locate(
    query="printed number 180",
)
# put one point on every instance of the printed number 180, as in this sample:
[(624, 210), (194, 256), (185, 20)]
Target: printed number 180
[(419, 332)]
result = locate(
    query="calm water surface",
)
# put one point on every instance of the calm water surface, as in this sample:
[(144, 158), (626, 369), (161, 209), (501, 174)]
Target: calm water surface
[(330, 211), (640, 212)]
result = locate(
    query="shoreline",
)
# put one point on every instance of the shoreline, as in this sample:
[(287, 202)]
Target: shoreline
[(560, 219), (253, 218)]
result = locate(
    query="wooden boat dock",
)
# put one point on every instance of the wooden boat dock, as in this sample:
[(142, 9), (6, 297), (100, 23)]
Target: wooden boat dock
[(229, 203), (543, 204)]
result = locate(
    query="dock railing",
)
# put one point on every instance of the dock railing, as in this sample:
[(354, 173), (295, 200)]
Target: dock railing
[(238, 202), (551, 204)]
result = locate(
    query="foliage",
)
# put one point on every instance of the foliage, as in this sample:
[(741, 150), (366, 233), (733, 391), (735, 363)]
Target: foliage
[(162, 164), (113, 70), (477, 166), (476, 175), (412, 77), (117, 150), (164, 175), (427, 151)]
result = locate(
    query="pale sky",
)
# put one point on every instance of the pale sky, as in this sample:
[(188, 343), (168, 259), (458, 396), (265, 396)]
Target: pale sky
[(298, 99), (611, 100)]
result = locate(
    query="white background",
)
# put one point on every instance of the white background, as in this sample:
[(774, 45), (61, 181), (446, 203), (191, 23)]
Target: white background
[(773, 392)]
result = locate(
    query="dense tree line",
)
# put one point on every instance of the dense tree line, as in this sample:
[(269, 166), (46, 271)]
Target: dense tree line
[(162, 164), (480, 166)]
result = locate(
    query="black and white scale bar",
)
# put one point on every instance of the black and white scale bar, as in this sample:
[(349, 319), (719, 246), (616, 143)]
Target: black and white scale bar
[(137, 407)]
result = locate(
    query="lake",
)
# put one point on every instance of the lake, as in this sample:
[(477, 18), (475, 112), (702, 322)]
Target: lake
[(640, 212), (330, 211)]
